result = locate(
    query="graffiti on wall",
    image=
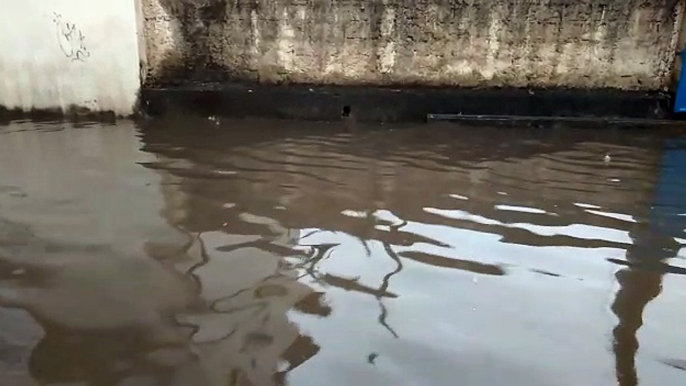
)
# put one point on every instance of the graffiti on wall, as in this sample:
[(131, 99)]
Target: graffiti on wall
[(71, 40)]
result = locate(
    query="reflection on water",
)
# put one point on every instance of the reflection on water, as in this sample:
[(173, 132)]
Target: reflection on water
[(269, 253), (655, 242)]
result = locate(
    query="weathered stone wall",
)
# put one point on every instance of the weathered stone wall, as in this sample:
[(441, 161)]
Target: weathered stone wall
[(625, 44)]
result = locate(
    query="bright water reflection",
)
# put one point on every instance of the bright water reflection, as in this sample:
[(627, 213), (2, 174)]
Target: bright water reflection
[(267, 252)]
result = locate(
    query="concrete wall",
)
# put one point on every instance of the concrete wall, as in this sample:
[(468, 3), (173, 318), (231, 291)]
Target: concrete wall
[(69, 53), (625, 44)]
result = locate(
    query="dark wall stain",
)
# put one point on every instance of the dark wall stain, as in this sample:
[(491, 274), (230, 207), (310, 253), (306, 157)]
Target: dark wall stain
[(196, 18)]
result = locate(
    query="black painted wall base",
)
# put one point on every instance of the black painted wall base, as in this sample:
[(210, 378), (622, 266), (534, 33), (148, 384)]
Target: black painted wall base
[(73, 114), (394, 105)]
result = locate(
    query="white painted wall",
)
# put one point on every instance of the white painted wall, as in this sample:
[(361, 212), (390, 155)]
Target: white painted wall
[(44, 63)]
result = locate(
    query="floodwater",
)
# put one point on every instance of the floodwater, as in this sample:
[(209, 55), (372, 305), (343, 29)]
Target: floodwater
[(198, 252)]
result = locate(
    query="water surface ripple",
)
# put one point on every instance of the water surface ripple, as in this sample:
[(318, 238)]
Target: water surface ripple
[(257, 252)]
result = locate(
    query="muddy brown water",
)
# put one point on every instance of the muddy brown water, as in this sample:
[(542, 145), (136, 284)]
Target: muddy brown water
[(198, 252)]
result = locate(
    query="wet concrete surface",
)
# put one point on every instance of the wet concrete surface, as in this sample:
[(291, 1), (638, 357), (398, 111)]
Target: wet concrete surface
[(259, 252), (389, 104)]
